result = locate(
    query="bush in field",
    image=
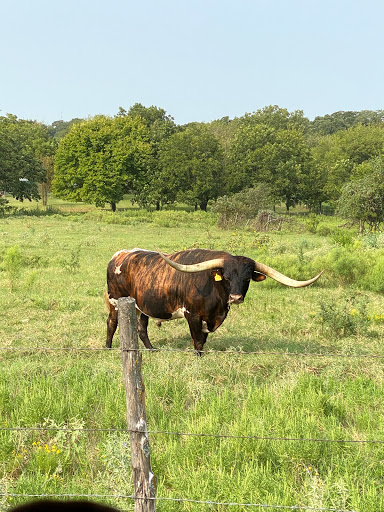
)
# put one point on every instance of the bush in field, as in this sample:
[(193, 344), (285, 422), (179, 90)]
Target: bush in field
[(347, 266), (375, 278), (4, 206), (13, 260), (241, 207), (373, 240), (312, 222), (363, 199), (346, 316), (72, 261), (324, 229), (12, 263), (342, 237)]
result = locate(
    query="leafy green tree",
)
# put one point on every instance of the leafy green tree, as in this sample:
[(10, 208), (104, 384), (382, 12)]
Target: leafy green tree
[(277, 157), (315, 186), (277, 118), (343, 120), (152, 191), (191, 166), (363, 199), (339, 154), (287, 162), (59, 128), (160, 124), (23, 146), (244, 160), (100, 160)]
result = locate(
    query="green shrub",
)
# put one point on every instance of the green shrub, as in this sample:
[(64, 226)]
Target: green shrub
[(239, 208), (347, 266), (342, 237), (346, 316), (4, 207), (375, 278), (72, 261), (13, 260), (324, 229), (312, 222), (373, 240)]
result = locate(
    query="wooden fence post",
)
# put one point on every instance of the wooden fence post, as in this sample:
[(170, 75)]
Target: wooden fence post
[(143, 478)]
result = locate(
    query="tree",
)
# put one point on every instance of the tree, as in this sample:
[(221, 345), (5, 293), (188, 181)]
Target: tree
[(277, 118), (315, 186), (59, 128), (244, 160), (151, 191), (191, 166), (100, 160), (286, 161), (160, 124), (23, 145), (341, 153), (277, 157), (343, 120), (363, 199)]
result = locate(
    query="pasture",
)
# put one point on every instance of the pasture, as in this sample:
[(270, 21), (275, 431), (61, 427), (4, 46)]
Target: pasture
[(52, 282)]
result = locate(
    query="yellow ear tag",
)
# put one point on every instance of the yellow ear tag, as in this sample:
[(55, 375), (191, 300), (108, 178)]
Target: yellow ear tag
[(218, 277)]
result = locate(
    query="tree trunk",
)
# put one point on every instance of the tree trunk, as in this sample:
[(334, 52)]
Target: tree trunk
[(44, 193), (113, 206)]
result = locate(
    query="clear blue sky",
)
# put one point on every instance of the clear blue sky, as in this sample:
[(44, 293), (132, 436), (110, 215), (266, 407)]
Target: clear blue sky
[(199, 60)]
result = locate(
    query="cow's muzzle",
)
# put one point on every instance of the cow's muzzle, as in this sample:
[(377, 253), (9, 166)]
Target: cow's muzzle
[(235, 299)]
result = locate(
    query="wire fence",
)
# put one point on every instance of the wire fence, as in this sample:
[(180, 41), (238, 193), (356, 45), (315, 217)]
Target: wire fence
[(181, 500), (206, 352), (194, 434)]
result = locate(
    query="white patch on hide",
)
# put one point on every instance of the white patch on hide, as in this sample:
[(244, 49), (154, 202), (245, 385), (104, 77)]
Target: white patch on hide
[(119, 252), (118, 270), (179, 313), (138, 249), (204, 327), (113, 302)]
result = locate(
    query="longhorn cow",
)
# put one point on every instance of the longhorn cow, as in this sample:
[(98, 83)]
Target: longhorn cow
[(198, 285)]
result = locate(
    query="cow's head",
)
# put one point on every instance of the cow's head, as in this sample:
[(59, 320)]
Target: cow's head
[(237, 272)]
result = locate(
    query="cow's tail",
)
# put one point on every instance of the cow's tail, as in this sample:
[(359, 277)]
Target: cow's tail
[(106, 301)]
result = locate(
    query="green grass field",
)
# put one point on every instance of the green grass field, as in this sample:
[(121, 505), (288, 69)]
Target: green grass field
[(52, 281)]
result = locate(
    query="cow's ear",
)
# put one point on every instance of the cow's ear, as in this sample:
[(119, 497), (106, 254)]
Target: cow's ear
[(258, 277), (217, 274)]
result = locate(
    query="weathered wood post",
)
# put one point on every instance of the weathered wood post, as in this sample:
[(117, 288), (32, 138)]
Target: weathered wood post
[(143, 478)]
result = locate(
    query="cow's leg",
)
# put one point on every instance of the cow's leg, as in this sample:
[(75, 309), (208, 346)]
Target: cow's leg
[(199, 336), (111, 325), (142, 324)]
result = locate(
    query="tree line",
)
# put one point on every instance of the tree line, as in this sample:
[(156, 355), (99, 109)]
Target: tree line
[(143, 152)]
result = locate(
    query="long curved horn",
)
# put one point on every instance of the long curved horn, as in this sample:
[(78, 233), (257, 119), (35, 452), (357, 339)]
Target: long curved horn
[(197, 267), (274, 274)]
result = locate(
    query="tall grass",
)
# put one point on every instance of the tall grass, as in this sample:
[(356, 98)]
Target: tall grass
[(53, 298)]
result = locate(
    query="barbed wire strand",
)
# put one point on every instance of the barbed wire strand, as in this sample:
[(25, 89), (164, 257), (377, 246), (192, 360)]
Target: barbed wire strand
[(196, 434), (178, 500), (191, 351)]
